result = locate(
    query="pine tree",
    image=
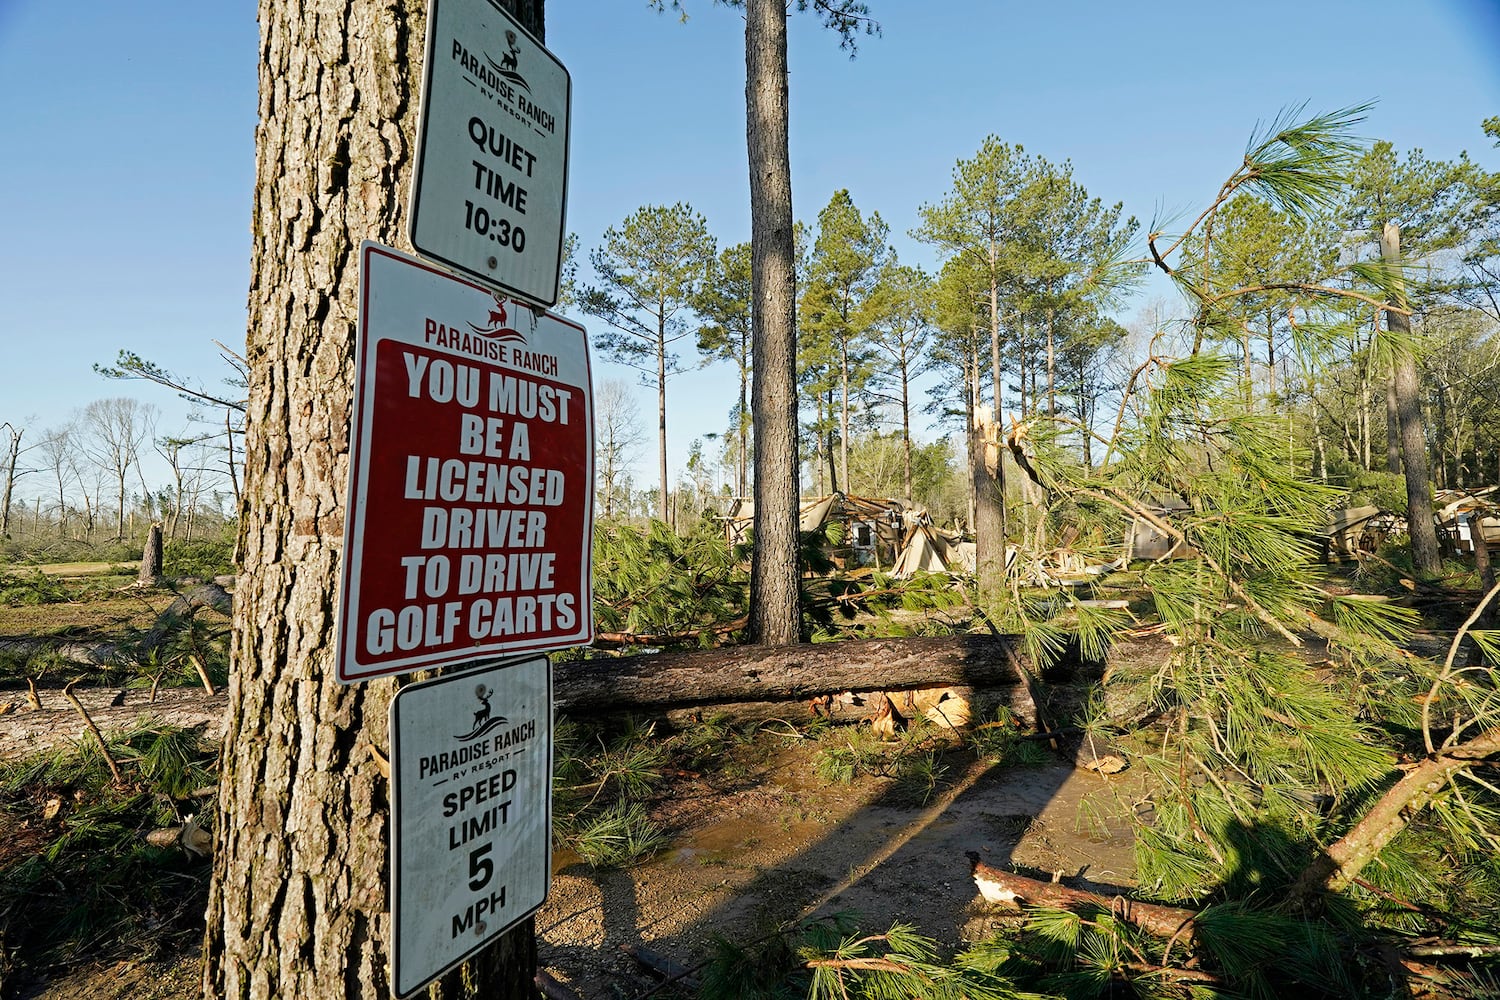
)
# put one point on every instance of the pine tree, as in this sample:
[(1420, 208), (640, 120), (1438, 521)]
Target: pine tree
[(298, 906), (651, 270)]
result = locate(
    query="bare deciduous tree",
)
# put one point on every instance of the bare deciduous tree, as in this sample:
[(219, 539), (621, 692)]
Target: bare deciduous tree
[(113, 431), (617, 436)]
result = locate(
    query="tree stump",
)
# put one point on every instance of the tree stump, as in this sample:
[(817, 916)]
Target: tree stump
[(150, 575)]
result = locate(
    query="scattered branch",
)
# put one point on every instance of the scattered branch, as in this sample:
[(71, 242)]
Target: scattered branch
[(109, 759)]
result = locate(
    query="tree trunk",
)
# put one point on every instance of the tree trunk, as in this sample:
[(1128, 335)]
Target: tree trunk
[(298, 906), (1440, 440), (844, 413), (1051, 362), (1407, 392), (984, 461), (13, 455), (742, 481), (661, 411), (150, 574), (1482, 563), (905, 432), (1392, 429), (989, 480), (775, 609), (234, 476), (972, 391), (120, 511), (770, 673)]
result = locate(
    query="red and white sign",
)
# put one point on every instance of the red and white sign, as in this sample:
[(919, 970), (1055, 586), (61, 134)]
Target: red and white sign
[(471, 476)]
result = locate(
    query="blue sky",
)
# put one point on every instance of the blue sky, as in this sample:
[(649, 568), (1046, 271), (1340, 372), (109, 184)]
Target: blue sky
[(128, 140)]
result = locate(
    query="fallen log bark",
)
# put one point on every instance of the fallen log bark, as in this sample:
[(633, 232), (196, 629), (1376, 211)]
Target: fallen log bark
[(998, 885), (25, 731), (785, 673)]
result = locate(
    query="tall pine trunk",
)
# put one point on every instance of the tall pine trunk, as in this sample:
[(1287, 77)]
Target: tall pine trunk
[(775, 608), (742, 481), (661, 410), (299, 906), (989, 480), (12, 456), (1407, 394), (905, 431), (1392, 429), (844, 409)]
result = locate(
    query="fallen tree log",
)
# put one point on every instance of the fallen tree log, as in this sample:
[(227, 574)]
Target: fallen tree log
[(955, 706), (786, 674), (841, 681), (187, 604), (25, 730), (997, 885)]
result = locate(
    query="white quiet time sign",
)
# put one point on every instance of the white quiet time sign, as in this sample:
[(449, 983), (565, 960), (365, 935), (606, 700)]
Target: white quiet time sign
[(489, 188), (471, 813)]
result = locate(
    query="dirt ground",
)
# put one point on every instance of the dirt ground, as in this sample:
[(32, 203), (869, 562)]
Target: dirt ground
[(790, 847), (781, 846), (758, 847)]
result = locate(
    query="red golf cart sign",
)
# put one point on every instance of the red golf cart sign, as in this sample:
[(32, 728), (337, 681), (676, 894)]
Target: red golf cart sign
[(471, 476)]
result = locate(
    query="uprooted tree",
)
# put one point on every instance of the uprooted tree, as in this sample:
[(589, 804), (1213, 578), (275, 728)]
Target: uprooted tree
[(1273, 778), (1276, 779)]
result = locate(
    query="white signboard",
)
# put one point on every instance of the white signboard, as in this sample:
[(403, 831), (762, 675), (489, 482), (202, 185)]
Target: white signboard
[(471, 476), (491, 176), (471, 813)]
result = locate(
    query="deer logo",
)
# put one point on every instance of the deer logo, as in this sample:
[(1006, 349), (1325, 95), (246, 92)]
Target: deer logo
[(508, 61), (484, 717), (495, 328)]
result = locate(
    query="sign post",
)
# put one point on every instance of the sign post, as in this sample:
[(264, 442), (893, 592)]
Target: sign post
[(489, 187), (471, 813), (470, 528)]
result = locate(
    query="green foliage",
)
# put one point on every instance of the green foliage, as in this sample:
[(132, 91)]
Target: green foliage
[(1386, 490), (205, 559), (17, 590), (678, 589), (830, 959), (601, 784), (92, 885), (618, 836), (913, 760), (999, 740)]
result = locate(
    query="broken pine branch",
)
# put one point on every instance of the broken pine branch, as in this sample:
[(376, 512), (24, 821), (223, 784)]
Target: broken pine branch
[(109, 759)]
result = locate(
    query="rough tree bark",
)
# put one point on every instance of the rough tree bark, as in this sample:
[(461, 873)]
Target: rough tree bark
[(772, 673), (298, 906), (775, 609), (987, 476), (150, 571), (1419, 522)]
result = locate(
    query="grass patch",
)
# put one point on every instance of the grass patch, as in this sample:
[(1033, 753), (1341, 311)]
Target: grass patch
[(616, 837), (601, 784), (998, 739), (915, 761), (81, 881)]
